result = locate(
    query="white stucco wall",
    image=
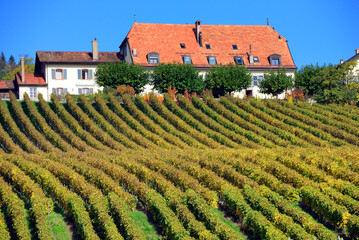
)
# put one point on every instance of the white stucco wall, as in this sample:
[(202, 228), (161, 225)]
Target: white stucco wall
[(72, 83), (22, 90)]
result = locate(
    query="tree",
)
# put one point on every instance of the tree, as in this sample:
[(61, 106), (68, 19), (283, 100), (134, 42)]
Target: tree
[(13, 64), (177, 75), (28, 64), (276, 83), (337, 84), (122, 73), (2, 59), (305, 79), (224, 79)]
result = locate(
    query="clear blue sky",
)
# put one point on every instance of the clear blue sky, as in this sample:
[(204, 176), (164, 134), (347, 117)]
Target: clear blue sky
[(317, 30)]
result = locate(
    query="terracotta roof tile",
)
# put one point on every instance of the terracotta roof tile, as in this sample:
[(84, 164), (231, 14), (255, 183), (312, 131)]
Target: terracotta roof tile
[(7, 84), (165, 39), (30, 79), (76, 57)]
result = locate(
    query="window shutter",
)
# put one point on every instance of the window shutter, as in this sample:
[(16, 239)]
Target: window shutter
[(65, 74), (91, 90), (53, 73), (78, 73), (65, 90), (91, 74), (54, 90), (80, 91)]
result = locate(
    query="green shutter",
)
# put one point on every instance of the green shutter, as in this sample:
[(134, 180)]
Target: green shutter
[(65, 74), (91, 74), (65, 90), (80, 91), (53, 73), (54, 90), (91, 90), (79, 74)]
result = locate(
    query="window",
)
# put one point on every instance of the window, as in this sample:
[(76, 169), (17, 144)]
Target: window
[(234, 47), (260, 79), (212, 60), (275, 60), (208, 46), (85, 91), (255, 59), (183, 45), (255, 81), (153, 58), (33, 92), (187, 60), (84, 74), (59, 74), (238, 60), (59, 91)]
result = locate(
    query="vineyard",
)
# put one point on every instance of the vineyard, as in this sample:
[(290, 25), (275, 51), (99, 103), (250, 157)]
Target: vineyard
[(193, 168)]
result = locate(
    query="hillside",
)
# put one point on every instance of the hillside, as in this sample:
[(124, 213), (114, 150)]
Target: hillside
[(191, 169)]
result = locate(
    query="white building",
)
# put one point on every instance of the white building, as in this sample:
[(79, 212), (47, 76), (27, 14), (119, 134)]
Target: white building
[(62, 72), (258, 48), (355, 58)]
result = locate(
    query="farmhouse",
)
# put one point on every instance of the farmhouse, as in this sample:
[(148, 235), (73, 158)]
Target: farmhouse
[(355, 58), (62, 72), (258, 48)]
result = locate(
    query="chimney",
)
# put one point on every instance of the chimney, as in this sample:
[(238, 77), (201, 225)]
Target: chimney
[(94, 50), (22, 69), (251, 61), (357, 51), (200, 39), (198, 30), (341, 61)]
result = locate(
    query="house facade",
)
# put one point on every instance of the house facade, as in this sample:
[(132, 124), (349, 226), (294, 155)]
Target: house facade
[(355, 58), (65, 72), (258, 48)]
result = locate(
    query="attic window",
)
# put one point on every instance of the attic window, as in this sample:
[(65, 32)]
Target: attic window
[(212, 60), (238, 60), (208, 46), (187, 59), (234, 47), (183, 45), (275, 60), (153, 58), (255, 59)]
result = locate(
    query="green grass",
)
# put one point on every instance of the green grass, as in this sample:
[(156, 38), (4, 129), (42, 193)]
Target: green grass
[(58, 225), (142, 222), (231, 224)]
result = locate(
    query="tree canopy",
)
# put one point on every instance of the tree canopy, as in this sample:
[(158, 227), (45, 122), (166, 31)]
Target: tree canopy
[(224, 79), (177, 75), (122, 73), (276, 83)]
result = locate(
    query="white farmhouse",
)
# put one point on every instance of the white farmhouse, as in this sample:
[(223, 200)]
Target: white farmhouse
[(355, 58), (62, 72), (258, 48)]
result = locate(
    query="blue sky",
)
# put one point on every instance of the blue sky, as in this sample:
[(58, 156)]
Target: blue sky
[(317, 30)]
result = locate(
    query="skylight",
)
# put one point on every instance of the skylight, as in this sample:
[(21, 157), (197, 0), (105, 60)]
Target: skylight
[(235, 47), (183, 45), (208, 46)]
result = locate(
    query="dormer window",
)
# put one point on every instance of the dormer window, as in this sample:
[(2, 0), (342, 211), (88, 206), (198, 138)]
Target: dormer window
[(275, 60), (234, 47), (212, 60), (183, 45), (187, 59), (208, 46), (153, 58), (255, 59), (238, 60)]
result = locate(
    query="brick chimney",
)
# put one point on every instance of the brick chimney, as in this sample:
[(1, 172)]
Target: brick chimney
[(357, 51), (22, 70), (251, 60), (94, 50)]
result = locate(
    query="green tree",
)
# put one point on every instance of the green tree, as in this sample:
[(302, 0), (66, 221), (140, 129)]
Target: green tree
[(13, 64), (276, 83), (337, 84), (305, 79), (28, 64), (2, 59), (177, 75), (224, 79), (122, 73)]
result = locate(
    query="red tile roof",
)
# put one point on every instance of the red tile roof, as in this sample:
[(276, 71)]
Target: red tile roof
[(165, 39), (76, 57), (7, 84), (30, 79)]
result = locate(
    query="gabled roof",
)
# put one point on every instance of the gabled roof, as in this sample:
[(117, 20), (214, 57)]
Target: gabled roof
[(76, 57), (165, 39), (354, 58), (30, 79)]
